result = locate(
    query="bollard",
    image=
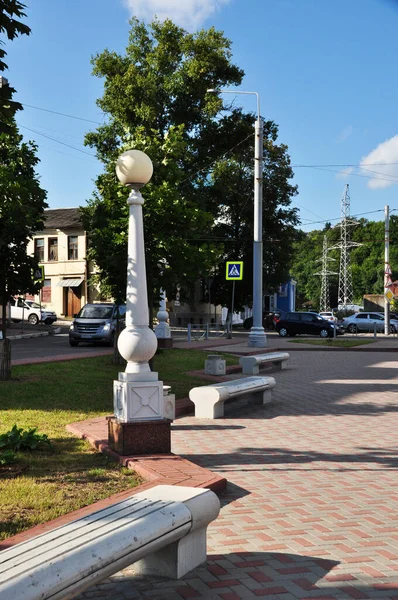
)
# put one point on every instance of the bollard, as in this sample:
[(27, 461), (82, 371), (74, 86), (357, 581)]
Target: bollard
[(374, 331), (189, 332), (207, 332)]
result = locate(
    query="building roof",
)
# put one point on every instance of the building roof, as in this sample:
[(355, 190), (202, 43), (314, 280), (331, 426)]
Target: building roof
[(62, 218)]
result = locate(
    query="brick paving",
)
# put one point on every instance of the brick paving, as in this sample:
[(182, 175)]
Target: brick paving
[(311, 506)]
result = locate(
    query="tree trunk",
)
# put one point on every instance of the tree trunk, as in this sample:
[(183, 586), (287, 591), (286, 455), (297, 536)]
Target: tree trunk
[(5, 360)]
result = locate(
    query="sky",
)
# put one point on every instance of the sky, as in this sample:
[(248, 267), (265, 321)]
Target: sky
[(325, 73)]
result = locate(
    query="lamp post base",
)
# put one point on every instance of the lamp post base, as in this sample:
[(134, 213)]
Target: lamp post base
[(257, 338), (139, 437)]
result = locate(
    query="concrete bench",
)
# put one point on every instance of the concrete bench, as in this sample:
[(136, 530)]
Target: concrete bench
[(251, 364), (161, 530), (209, 399)]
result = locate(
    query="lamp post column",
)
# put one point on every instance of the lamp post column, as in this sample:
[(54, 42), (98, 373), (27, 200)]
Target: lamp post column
[(142, 413), (257, 337)]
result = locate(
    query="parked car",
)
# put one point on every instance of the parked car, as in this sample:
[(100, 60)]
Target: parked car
[(294, 323), (328, 315), (268, 321), (96, 323), (30, 311), (366, 321)]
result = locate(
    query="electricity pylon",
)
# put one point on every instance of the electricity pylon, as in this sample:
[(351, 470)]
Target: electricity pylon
[(346, 293), (324, 304)]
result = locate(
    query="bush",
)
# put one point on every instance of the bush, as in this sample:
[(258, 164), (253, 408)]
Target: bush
[(18, 440)]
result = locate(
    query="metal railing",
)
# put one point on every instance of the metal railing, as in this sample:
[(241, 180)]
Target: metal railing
[(197, 331)]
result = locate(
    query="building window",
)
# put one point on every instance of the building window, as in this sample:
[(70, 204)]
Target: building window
[(46, 291), (72, 247), (39, 249), (52, 249)]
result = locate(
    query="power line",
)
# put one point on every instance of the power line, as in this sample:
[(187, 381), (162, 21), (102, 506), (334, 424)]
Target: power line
[(352, 216), (54, 112), (58, 141), (346, 165)]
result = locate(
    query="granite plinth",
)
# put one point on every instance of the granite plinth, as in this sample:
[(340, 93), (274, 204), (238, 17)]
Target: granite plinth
[(165, 342), (139, 437)]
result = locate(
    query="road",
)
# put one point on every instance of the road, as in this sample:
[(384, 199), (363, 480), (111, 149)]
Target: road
[(51, 345)]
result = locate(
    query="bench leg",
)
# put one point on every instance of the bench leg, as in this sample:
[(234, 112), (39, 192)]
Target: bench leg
[(209, 411), (177, 559), (279, 365), (251, 370), (261, 397)]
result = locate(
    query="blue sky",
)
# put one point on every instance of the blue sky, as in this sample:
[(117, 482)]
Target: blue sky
[(325, 71)]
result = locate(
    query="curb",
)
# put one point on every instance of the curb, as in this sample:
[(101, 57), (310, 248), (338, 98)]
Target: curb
[(22, 336)]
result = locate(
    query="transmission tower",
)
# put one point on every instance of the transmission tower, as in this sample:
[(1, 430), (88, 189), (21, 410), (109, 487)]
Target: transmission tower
[(324, 304), (346, 293)]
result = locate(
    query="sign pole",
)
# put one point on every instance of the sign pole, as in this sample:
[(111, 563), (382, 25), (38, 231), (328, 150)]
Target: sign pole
[(232, 310), (387, 279)]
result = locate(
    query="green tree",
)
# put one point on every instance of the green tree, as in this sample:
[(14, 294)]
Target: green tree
[(155, 99), (367, 260), (11, 27), (22, 202)]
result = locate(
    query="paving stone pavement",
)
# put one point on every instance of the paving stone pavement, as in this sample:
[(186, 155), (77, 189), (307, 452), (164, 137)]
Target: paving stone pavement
[(311, 507)]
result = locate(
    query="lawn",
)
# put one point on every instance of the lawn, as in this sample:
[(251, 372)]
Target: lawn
[(45, 483), (333, 343)]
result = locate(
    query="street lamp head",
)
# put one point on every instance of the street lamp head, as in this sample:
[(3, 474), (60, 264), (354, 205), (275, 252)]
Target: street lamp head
[(212, 91), (134, 168)]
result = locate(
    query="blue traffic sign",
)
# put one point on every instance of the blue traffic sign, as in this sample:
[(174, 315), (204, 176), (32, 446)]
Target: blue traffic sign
[(234, 270)]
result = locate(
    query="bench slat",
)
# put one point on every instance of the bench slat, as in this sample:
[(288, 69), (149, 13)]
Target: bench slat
[(95, 524), (209, 399), (250, 364), (119, 543)]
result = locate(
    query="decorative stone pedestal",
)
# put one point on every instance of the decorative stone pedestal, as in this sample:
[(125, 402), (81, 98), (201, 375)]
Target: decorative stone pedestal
[(215, 365), (139, 437)]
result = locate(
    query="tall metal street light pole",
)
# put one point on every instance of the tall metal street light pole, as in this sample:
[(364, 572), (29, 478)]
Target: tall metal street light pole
[(257, 337)]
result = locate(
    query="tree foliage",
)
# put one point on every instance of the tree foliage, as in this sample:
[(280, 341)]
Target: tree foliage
[(367, 260), (10, 26), (195, 215), (22, 202)]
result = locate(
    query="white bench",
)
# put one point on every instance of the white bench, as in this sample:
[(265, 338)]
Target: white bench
[(209, 399), (162, 531), (251, 364)]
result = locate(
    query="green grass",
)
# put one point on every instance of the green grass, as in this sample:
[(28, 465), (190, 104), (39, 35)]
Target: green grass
[(45, 484), (333, 343)]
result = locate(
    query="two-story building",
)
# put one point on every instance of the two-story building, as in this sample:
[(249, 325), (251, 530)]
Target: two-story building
[(61, 249)]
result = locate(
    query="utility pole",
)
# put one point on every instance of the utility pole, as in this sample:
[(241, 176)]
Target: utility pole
[(387, 269), (324, 304)]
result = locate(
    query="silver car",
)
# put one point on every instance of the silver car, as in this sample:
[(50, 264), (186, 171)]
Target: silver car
[(367, 321)]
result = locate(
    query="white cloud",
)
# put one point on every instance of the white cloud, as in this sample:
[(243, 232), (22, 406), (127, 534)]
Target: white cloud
[(383, 162), (345, 134), (189, 14)]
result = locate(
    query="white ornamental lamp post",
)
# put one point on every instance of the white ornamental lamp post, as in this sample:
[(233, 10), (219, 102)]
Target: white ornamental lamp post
[(257, 336), (142, 414)]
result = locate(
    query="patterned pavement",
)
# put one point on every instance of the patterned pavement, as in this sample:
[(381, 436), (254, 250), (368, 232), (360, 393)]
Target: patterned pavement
[(311, 507)]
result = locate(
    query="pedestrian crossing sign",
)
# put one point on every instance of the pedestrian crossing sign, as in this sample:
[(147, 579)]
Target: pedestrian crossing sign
[(234, 270)]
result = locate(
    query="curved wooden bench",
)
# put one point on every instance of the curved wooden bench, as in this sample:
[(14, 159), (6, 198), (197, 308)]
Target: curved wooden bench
[(162, 530), (209, 399), (251, 364)]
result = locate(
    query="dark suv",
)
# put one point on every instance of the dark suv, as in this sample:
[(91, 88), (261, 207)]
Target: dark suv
[(294, 323)]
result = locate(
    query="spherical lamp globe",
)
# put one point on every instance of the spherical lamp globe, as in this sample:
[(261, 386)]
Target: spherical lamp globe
[(134, 167)]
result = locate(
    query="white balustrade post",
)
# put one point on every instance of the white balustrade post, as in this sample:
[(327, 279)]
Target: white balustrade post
[(162, 330)]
